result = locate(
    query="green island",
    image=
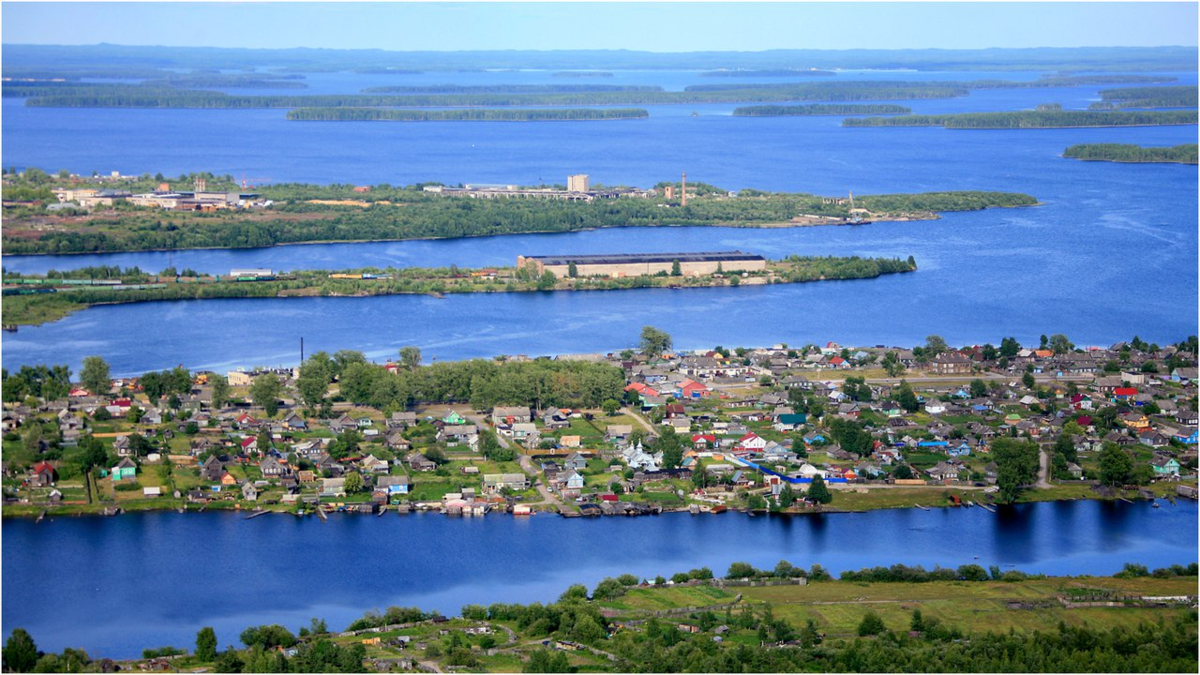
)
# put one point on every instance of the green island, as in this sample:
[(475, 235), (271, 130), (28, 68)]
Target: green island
[(169, 92), (581, 73), (461, 115), (784, 619), (770, 72), (32, 300), (302, 213), (1030, 119), (1121, 152), (1147, 97), (506, 88), (820, 109)]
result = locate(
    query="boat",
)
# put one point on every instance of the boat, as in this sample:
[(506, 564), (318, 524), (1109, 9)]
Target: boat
[(11, 328)]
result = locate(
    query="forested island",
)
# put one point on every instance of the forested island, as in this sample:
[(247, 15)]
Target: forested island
[(1031, 119), (770, 72), (506, 88), (463, 115), (1147, 97), (168, 92), (1120, 152), (34, 300), (303, 213), (783, 619), (820, 109)]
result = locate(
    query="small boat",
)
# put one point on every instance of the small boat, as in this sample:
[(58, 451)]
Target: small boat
[(1155, 504)]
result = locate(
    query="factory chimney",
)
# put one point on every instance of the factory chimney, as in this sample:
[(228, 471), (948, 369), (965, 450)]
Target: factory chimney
[(683, 189)]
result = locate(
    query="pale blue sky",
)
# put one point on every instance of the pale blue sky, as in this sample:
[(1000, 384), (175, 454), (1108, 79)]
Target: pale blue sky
[(664, 27)]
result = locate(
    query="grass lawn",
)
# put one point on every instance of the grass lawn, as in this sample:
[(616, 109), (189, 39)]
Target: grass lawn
[(671, 597), (892, 498)]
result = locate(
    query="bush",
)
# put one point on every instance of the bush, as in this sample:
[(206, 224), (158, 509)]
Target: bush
[(871, 624)]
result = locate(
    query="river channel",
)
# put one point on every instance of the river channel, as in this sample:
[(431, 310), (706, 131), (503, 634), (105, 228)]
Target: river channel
[(114, 586)]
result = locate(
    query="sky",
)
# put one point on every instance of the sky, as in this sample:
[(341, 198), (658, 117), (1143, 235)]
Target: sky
[(655, 26)]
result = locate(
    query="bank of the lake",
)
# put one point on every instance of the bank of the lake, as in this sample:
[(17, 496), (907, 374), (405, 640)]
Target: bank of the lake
[(188, 565)]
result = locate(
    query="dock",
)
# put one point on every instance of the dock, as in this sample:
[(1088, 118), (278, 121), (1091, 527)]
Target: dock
[(40, 517), (382, 510), (985, 506), (321, 514), (257, 513), (923, 508)]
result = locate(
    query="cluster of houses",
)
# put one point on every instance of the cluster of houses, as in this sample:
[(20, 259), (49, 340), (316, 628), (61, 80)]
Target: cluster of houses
[(747, 421)]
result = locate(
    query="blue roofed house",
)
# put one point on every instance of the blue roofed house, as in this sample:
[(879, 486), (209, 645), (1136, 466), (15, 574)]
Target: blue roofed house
[(962, 449)]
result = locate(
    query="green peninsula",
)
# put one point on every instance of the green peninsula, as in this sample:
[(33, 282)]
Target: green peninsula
[(32, 300), (158, 213)]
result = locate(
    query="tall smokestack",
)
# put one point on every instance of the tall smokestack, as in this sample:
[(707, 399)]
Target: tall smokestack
[(683, 189)]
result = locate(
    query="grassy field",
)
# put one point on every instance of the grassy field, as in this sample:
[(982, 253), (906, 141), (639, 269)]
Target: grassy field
[(838, 607)]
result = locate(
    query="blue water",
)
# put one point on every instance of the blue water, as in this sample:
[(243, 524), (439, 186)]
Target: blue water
[(154, 579), (1111, 252)]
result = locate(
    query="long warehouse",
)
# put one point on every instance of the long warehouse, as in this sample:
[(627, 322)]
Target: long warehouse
[(636, 264)]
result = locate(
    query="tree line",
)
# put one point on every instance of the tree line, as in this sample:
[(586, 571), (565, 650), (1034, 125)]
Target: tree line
[(820, 109), (1149, 97), (1030, 119), (1123, 152), (472, 114)]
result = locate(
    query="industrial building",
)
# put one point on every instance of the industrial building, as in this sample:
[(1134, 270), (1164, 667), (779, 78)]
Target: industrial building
[(637, 264), (578, 183)]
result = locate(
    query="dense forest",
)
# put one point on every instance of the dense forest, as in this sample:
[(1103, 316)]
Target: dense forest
[(820, 109), (1029, 119), (463, 115), (1120, 152), (1148, 97), (415, 214)]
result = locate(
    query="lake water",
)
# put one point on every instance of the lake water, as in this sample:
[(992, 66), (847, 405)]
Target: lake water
[(1110, 253), (117, 585)]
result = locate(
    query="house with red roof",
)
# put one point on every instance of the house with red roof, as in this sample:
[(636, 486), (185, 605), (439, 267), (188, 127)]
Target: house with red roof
[(690, 389), (250, 444), (43, 475), (703, 441), (1124, 393), (642, 389)]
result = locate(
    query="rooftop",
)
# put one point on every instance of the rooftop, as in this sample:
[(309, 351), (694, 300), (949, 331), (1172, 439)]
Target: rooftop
[(625, 258)]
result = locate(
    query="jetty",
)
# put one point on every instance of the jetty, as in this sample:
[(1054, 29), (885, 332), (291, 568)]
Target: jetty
[(257, 513), (382, 510), (40, 517), (321, 514), (986, 507), (923, 508)]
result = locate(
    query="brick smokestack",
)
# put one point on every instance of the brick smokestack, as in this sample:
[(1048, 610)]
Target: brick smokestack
[(683, 189)]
